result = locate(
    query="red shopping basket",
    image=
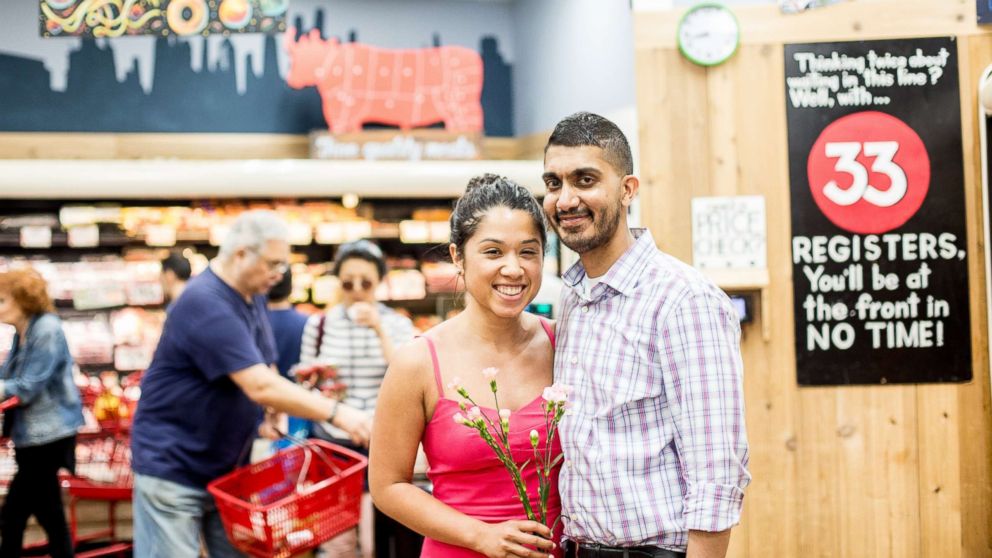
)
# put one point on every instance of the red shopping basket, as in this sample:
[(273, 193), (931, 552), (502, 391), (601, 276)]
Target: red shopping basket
[(293, 501)]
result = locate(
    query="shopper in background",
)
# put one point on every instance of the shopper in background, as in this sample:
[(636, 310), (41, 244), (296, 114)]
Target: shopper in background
[(497, 241), (287, 328), (359, 337), (287, 324), (202, 395), (655, 450), (38, 371), (176, 271)]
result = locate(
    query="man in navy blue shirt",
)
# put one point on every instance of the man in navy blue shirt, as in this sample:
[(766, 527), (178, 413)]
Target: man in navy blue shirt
[(202, 395)]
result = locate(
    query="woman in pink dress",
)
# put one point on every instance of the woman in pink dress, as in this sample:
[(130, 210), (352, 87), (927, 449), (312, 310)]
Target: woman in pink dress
[(497, 242)]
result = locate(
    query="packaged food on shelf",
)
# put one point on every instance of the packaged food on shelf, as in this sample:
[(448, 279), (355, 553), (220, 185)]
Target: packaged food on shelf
[(405, 284), (423, 322), (441, 277), (432, 214), (136, 334), (110, 404), (128, 358), (91, 340), (326, 290)]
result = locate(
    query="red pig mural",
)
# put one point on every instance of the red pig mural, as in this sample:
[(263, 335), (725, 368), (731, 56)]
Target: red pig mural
[(408, 88)]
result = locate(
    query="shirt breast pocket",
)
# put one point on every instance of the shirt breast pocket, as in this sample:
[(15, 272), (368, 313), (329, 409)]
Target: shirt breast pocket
[(635, 375)]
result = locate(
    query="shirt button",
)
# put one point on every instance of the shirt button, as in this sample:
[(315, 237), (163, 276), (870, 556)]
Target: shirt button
[(568, 463), (585, 309), (575, 360)]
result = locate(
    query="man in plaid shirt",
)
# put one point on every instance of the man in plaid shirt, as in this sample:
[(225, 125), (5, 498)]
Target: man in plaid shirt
[(655, 449)]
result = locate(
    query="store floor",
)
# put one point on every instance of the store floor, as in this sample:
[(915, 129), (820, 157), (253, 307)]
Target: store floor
[(93, 517)]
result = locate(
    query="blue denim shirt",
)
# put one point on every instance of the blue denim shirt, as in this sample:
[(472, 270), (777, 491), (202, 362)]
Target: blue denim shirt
[(40, 374)]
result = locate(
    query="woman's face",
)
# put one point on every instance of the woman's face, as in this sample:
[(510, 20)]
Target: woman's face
[(503, 261), (359, 280), (10, 312)]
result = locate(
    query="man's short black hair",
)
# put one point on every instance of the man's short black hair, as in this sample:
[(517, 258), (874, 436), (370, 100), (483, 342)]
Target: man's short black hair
[(283, 288), (178, 264), (586, 128)]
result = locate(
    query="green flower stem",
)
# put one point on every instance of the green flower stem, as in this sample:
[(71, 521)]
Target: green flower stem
[(497, 437), (504, 434), (514, 471)]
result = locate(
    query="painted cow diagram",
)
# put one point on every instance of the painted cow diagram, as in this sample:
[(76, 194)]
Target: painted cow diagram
[(407, 88)]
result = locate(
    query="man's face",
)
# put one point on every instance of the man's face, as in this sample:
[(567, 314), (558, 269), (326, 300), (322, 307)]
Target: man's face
[(167, 279), (260, 269), (583, 197)]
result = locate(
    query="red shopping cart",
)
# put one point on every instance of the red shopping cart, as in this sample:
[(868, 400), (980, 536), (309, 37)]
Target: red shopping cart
[(293, 501), (103, 473)]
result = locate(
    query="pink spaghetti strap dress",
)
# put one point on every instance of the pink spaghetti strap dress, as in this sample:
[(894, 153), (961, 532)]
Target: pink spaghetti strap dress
[(467, 475)]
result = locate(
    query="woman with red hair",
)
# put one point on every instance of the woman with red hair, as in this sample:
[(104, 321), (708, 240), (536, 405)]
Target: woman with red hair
[(38, 371)]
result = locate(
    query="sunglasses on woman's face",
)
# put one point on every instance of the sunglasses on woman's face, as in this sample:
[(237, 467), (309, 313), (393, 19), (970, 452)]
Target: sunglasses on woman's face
[(350, 285)]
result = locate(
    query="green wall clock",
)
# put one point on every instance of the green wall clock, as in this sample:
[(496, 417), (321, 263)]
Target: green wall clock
[(708, 34)]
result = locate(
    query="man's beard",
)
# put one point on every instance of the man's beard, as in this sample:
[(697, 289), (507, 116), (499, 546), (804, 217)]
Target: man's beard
[(604, 228)]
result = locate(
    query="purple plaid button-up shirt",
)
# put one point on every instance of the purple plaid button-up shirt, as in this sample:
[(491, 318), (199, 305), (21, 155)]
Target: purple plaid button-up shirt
[(655, 443)]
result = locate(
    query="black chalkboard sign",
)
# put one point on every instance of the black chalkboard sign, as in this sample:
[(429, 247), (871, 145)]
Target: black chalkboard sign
[(879, 246)]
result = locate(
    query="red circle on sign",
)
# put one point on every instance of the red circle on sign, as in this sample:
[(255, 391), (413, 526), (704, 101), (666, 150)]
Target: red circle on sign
[(869, 172)]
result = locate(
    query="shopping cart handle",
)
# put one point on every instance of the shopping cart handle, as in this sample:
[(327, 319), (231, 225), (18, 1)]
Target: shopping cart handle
[(10, 403)]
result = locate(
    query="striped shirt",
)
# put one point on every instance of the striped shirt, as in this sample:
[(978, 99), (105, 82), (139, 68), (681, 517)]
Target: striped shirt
[(355, 351), (655, 443)]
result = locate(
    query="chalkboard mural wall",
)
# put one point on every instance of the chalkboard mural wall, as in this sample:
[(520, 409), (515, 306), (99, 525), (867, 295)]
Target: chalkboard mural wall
[(146, 84)]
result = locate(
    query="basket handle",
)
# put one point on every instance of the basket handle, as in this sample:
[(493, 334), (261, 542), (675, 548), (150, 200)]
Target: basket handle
[(308, 450), (10, 403)]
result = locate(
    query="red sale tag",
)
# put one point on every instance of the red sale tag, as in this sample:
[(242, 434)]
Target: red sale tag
[(869, 172)]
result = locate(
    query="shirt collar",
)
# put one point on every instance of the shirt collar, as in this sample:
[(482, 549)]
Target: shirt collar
[(625, 272)]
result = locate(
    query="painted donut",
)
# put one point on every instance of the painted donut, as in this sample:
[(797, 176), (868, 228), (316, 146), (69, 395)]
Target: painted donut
[(273, 8), (234, 14), (187, 17), (60, 4)]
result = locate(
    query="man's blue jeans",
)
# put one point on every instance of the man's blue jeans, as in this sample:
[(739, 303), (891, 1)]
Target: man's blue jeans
[(171, 519)]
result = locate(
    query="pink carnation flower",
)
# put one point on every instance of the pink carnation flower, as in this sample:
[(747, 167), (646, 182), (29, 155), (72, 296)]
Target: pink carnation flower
[(474, 414), (555, 394)]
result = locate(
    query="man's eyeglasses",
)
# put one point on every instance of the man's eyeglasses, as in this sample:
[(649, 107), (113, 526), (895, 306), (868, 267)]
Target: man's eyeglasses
[(350, 285), (275, 266), (278, 267)]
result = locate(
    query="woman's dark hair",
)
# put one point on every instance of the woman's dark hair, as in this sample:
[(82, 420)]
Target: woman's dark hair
[(484, 193), (363, 250)]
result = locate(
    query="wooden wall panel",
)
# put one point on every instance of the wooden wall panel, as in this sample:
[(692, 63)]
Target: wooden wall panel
[(970, 417), (886, 471)]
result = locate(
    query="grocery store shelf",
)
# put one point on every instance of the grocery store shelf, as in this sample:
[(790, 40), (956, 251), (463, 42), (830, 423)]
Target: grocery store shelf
[(192, 179)]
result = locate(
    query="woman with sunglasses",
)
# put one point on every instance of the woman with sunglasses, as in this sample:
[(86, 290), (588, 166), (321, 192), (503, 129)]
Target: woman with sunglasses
[(358, 337)]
